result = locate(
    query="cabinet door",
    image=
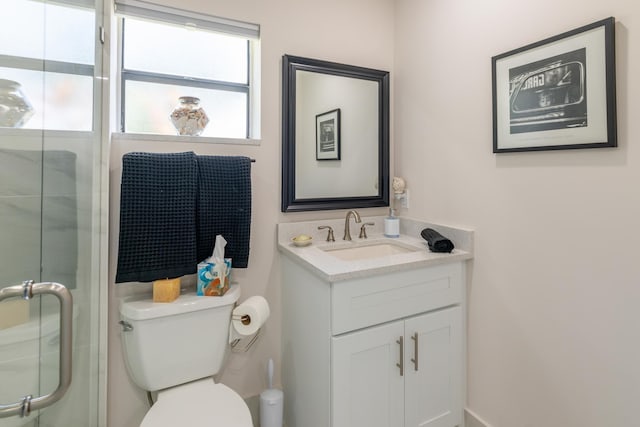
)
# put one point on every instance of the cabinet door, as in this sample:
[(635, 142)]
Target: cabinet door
[(433, 388), (367, 389)]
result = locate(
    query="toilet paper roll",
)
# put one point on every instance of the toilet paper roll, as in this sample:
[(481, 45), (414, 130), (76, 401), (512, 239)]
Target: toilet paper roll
[(249, 316)]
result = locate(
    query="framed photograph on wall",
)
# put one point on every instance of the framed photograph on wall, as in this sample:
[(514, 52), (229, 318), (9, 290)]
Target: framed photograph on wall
[(558, 93), (328, 135)]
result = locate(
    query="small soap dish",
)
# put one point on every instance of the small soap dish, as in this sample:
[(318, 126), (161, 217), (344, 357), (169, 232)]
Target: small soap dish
[(302, 240)]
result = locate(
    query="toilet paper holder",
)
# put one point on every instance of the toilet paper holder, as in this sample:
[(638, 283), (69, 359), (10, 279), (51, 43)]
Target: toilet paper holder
[(249, 341), (245, 318)]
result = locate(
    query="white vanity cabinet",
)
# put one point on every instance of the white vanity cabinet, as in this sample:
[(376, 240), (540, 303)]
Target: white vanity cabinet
[(377, 350), (403, 373)]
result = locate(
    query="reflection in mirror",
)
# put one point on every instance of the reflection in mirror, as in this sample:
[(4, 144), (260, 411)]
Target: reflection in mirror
[(335, 136)]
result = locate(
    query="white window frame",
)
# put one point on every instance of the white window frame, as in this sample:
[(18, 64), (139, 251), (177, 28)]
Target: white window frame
[(165, 14)]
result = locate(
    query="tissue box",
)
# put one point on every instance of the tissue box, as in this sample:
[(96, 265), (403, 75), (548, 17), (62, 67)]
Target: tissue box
[(209, 284)]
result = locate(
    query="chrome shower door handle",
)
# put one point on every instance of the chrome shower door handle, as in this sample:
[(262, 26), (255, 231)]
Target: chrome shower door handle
[(26, 291)]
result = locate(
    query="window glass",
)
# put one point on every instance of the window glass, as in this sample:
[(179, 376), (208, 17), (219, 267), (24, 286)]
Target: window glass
[(60, 101), (181, 51), (149, 105), (48, 31), (162, 62)]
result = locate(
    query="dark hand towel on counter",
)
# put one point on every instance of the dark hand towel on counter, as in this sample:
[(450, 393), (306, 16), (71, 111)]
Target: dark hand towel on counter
[(437, 242), (224, 206), (157, 216)]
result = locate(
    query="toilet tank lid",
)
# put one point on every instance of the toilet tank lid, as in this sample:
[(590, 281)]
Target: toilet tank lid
[(145, 309)]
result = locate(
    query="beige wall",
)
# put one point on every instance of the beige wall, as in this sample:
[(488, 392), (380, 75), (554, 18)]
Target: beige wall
[(553, 319), (356, 32)]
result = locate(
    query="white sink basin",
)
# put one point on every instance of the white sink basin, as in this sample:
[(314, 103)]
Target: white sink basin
[(369, 251)]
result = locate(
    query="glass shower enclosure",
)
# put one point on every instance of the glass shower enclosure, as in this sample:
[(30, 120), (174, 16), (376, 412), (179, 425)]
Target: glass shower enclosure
[(51, 214)]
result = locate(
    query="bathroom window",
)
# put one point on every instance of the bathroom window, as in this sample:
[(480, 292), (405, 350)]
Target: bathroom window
[(168, 53)]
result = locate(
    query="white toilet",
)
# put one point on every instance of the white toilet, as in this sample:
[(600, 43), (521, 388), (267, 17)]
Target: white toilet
[(176, 348)]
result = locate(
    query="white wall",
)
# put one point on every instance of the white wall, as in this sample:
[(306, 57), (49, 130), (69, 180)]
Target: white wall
[(358, 32), (553, 318)]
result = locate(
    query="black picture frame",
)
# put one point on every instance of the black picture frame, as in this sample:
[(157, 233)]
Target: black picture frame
[(558, 93), (328, 135)]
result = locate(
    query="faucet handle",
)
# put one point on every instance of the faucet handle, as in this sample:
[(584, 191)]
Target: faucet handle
[(330, 237), (363, 230)]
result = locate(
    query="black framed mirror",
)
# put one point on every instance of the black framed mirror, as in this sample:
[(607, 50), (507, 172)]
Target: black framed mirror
[(335, 135)]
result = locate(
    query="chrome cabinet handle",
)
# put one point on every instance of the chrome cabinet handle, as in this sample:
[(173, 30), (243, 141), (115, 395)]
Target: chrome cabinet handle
[(414, 337), (26, 291), (401, 364)]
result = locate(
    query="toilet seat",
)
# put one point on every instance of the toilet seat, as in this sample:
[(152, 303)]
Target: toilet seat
[(202, 403)]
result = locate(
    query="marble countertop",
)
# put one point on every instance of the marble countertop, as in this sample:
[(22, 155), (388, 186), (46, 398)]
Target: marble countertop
[(328, 267)]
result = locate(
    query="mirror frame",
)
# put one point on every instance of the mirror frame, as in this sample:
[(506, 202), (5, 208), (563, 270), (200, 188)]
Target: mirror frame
[(292, 64)]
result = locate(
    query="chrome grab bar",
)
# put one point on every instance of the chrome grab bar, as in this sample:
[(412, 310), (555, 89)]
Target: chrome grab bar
[(26, 291)]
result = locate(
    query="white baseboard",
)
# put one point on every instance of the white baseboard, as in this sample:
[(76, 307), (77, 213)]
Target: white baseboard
[(471, 419)]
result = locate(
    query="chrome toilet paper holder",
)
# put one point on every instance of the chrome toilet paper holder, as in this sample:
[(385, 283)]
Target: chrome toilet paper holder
[(247, 343), (245, 318)]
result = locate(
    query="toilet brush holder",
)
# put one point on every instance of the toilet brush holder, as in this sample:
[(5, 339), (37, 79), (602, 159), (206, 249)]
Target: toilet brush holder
[(271, 403)]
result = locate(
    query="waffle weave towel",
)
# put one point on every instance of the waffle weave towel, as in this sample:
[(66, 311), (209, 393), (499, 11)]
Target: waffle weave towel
[(224, 206), (157, 216)]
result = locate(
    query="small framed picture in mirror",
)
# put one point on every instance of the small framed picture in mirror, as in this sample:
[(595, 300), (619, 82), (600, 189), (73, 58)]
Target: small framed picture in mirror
[(328, 135)]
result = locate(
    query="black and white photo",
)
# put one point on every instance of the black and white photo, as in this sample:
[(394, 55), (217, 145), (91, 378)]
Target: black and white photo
[(549, 94), (558, 93), (328, 135)]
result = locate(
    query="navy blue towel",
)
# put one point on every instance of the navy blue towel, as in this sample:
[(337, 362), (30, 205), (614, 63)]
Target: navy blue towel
[(224, 206), (157, 216)]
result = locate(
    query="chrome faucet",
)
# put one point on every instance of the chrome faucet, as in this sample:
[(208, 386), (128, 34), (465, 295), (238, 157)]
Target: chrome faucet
[(347, 231)]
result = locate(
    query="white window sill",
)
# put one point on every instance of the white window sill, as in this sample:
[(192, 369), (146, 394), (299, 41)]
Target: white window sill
[(119, 136)]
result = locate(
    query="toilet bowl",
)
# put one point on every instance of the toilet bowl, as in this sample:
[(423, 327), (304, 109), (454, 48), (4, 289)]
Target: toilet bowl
[(175, 349), (201, 403)]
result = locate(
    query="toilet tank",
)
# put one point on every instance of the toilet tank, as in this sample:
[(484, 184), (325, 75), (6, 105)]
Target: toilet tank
[(168, 344)]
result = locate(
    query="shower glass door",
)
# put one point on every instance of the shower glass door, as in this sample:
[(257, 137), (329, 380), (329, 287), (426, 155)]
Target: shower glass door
[(51, 196)]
